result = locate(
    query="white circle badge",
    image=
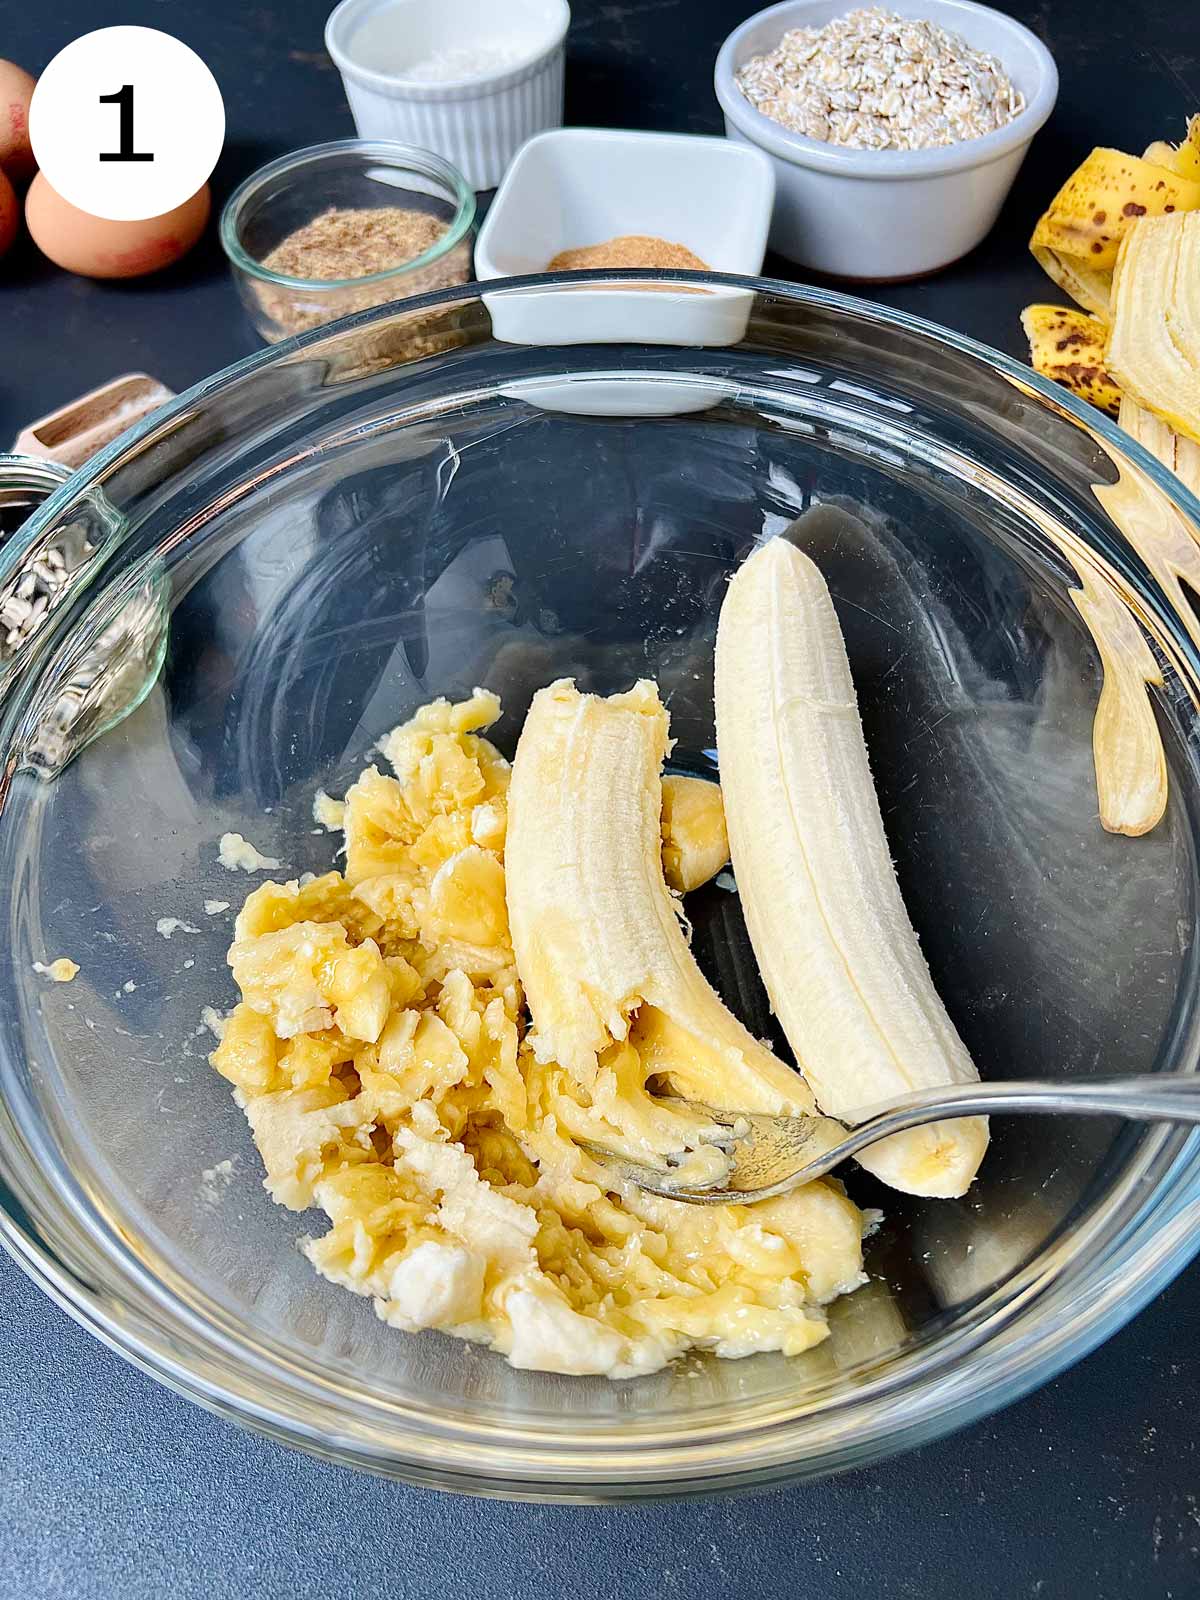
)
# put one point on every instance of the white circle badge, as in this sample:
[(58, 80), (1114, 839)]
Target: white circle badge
[(126, 123)]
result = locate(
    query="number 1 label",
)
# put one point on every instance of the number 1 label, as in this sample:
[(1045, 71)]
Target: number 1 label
[(126, 124), (124, 99)]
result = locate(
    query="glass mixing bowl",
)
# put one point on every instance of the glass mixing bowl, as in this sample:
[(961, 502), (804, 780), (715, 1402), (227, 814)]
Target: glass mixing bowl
[(222, 613)]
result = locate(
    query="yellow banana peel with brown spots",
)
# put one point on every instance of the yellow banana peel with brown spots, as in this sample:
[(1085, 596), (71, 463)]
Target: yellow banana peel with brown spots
[(1077, 238), (1067, 346)]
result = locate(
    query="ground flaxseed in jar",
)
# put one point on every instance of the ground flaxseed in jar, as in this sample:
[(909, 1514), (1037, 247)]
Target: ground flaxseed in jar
[(346, 243)]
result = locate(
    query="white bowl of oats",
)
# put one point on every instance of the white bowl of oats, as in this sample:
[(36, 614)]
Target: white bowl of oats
[(895, 133)]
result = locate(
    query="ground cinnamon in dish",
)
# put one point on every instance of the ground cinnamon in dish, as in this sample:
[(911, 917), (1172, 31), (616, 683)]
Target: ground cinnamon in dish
[(629, 250), (354, 243)]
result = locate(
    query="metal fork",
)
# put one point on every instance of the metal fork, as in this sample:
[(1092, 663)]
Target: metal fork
[(772, 1155)]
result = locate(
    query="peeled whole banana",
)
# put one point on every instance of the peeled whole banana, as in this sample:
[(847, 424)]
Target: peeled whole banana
[(839, 956)]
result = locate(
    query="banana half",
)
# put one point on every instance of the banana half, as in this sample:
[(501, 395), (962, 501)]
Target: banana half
[(839, 956), (597, 934)]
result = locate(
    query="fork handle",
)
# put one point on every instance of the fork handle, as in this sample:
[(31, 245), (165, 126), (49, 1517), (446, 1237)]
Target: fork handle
[(1153, 1097)]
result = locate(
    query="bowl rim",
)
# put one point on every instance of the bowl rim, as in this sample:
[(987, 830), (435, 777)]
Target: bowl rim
[(93, 471), (376, 152), (896, 165), (1155, 1233)]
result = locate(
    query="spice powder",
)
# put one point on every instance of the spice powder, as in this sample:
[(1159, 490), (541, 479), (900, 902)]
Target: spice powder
[(629, 250)]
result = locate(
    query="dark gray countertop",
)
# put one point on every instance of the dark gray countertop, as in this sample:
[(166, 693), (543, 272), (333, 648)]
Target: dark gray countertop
[(109, 1485)]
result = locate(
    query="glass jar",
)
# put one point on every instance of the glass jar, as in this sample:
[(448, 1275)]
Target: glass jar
[(352, 175)]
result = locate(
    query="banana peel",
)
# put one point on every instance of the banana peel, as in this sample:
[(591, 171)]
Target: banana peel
[(1163, 154), (1187, 157), (1131, 768), (1159, 532), (1154, 344), (1077, 239), (1179, 455), (1086, 286), (1131, 765), (1067, 346), (1103, 198), (1122, 237), (1187, 464)]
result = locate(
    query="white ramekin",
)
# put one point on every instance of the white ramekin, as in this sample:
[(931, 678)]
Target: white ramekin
[(875, 215), (477, 124)]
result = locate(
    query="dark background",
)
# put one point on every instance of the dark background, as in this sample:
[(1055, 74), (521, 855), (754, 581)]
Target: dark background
[(110, 1486)]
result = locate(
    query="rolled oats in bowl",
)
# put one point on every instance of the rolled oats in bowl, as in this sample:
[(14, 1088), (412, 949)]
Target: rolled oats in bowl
[(874, 80)]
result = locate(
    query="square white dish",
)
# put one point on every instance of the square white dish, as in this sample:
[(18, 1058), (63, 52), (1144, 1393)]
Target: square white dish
[(580, 186)]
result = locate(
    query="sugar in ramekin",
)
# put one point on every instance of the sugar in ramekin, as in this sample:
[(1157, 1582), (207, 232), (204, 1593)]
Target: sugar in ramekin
[(398, 60)]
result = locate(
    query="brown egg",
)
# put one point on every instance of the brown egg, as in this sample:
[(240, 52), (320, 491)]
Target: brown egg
[(16, 91), (94, 247), (10, 213)]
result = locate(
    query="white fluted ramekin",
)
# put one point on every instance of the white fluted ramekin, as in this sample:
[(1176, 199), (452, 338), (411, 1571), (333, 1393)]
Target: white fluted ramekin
[(478, 123)]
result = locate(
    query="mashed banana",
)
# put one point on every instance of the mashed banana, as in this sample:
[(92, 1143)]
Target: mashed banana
[(378, 1053)]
